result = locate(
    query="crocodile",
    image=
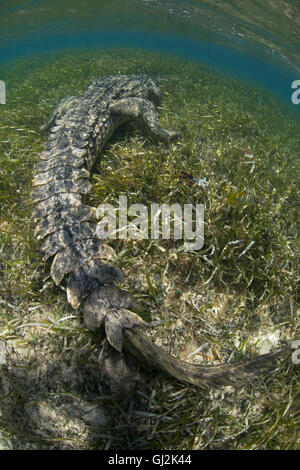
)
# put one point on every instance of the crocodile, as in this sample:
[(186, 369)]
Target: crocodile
[(78, 129)]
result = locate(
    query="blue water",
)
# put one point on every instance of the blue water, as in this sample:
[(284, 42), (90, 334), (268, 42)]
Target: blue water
[(192, 30)]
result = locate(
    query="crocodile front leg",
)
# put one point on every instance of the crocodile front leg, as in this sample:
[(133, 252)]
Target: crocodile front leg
[(144, 114)]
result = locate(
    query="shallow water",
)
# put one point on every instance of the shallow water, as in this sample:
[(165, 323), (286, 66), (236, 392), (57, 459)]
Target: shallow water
[(253, 41), (238, 153)]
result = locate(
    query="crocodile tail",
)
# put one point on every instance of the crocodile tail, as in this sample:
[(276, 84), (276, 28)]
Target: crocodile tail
[(202, 376), (111, 305)]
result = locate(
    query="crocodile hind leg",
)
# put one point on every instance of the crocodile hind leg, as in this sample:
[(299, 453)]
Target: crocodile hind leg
[(120, 372)]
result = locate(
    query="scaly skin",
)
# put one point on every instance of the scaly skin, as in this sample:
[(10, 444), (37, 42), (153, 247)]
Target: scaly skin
[(79, 129)]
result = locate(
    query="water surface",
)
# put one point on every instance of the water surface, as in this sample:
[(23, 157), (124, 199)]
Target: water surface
[(254, 41)]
